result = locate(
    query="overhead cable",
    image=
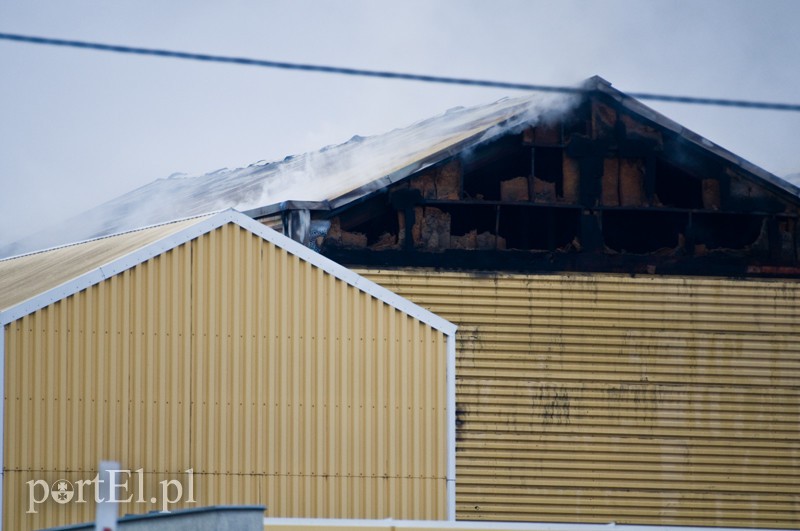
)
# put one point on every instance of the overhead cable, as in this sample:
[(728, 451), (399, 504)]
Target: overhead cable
[(387, 74)]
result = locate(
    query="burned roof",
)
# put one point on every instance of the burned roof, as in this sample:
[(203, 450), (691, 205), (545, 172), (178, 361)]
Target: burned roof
[(338, 175), (606, 186), (323, 179)]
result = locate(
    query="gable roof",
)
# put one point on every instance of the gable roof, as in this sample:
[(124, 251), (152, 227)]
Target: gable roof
[(338, 175), (31, 282)]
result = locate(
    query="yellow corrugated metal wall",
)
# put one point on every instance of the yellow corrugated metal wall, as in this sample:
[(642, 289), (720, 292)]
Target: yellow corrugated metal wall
[(275, 382), (608, 398)]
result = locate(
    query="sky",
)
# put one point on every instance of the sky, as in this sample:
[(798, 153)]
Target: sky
[(78, 127)]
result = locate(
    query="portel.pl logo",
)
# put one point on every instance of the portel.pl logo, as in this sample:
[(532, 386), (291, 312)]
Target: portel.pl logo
[(112, 485)]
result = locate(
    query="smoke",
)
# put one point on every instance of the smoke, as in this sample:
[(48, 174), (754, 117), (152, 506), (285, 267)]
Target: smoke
[(544, 109), (361, 163)]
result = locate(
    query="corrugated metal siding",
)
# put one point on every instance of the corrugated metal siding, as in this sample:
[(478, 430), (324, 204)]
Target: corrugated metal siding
[(352, 420), (99, 375), (275, 382), (608, 398)]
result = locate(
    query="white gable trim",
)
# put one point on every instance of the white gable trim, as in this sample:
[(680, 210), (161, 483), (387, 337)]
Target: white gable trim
[(2, 413), (450, 475), (207, 225), (346, 275)]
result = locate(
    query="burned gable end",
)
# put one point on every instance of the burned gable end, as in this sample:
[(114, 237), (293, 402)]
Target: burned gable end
[(603, 188)]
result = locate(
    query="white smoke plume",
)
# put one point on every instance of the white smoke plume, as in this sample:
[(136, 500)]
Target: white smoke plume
[(358, 164)]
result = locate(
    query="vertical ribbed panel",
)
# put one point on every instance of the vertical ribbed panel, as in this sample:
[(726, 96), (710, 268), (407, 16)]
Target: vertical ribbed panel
[(636, 400), (99, 376), (330, 399), (275, 382)]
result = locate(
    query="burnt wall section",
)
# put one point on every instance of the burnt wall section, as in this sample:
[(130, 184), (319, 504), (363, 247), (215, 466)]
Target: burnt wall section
[(600, 190)]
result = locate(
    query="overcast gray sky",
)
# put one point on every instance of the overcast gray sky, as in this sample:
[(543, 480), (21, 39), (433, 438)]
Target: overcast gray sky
[(80, 127)]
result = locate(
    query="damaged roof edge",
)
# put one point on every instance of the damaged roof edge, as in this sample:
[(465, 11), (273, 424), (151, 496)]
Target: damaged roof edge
[(376, 185), (276, 208), (594, 84), (602, 86)]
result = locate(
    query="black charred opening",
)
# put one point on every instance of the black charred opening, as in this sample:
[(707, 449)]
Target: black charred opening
[(642, 232), (466, 218), (375, 218), (677, 188), (494, 162), (548, 165), (527, 228), (726, 231)]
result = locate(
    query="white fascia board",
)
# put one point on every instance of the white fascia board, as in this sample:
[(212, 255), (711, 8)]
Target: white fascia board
[(207, 225), (488, 525), (346, 275), (451, 428), (48, 297)]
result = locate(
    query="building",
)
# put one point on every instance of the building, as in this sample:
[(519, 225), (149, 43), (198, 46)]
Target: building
[(625, 291), (218, 359), (627, 300)]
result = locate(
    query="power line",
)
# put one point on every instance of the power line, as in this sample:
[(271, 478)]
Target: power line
[(386, 74)]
